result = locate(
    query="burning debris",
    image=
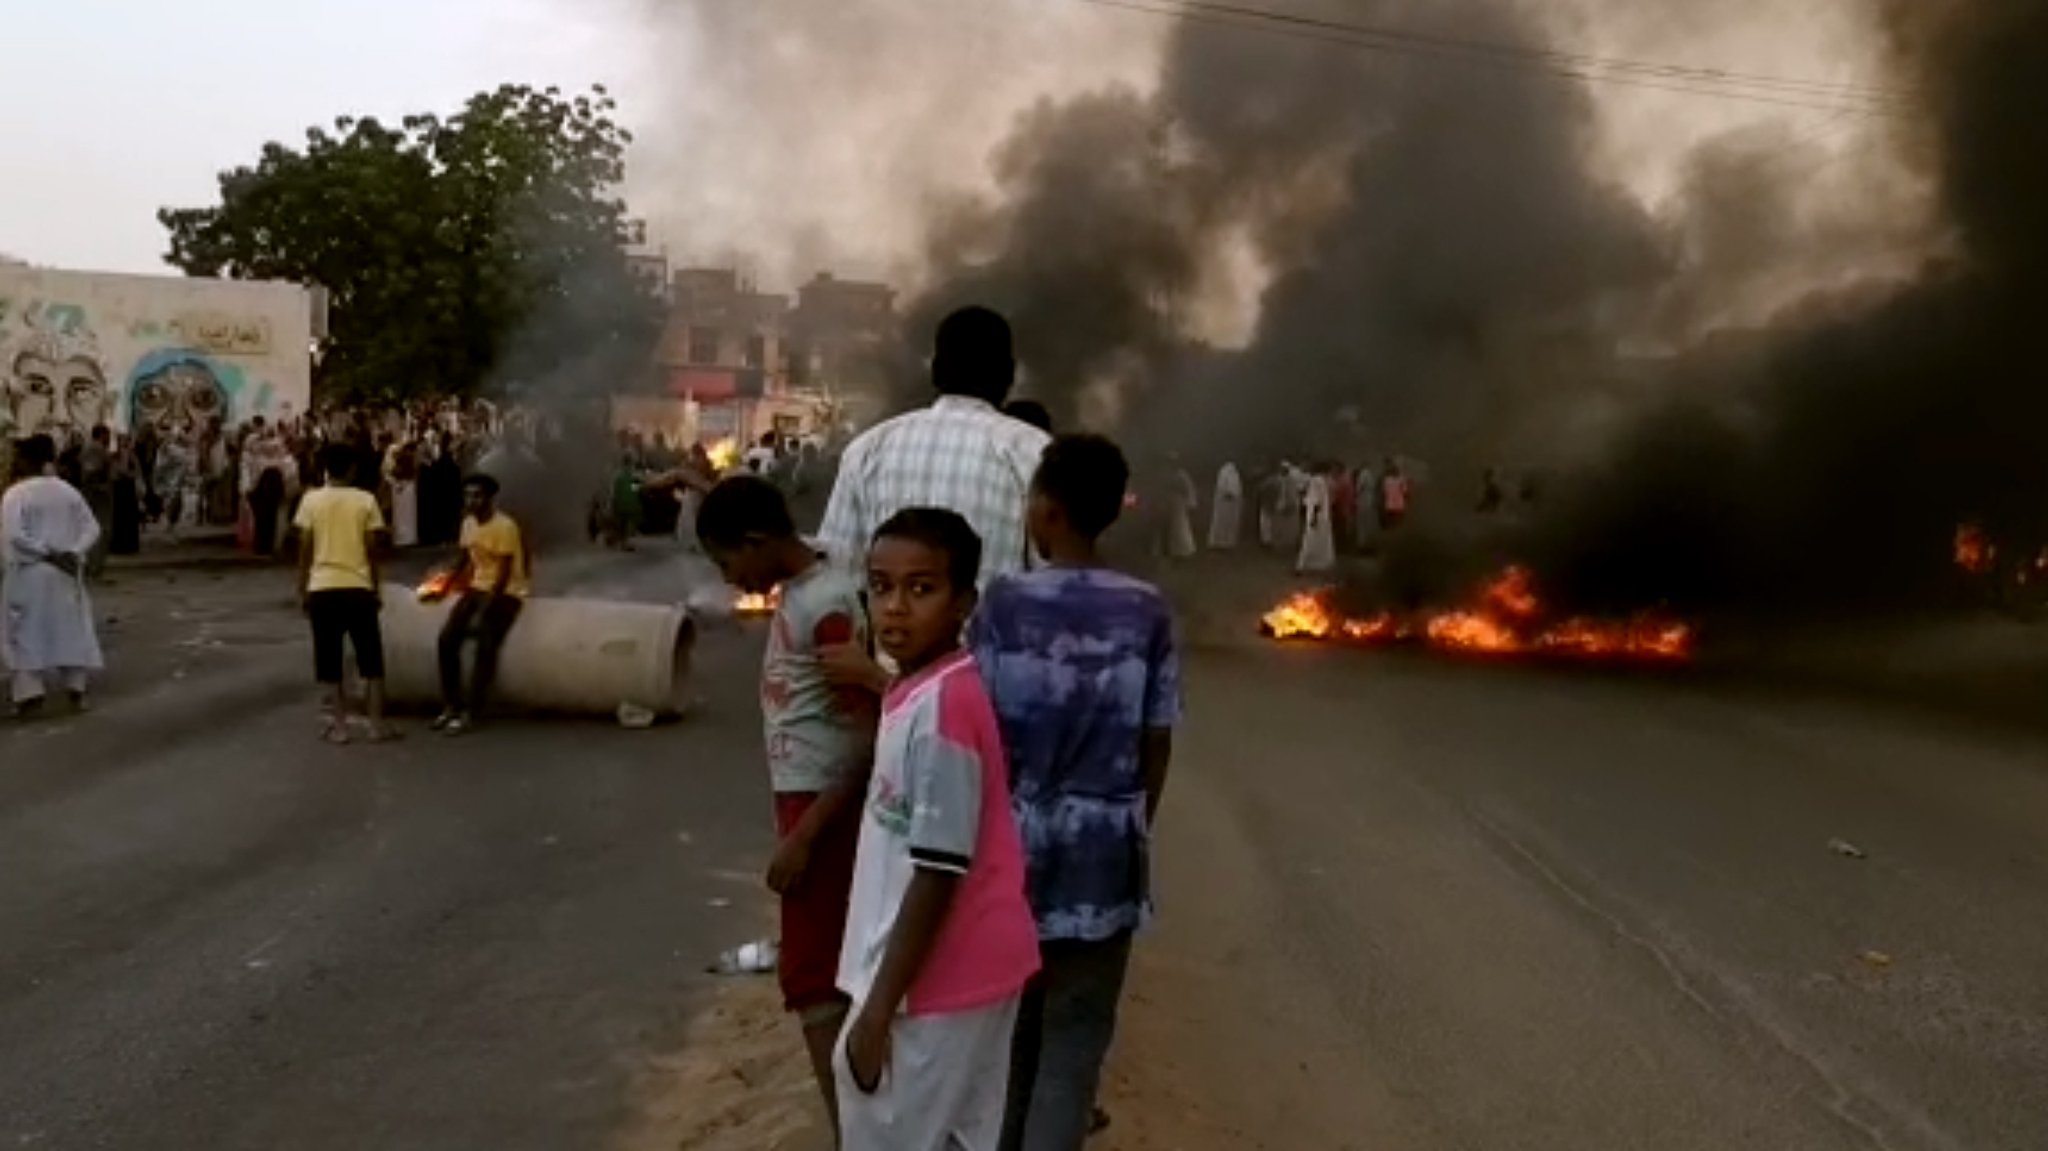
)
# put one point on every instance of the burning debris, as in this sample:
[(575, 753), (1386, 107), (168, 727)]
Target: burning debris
[(1506, 617), (439, 585), (1975, 553), (750, 605)]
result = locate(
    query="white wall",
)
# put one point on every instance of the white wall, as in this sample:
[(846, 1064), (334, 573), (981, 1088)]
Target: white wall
[(80, 348)]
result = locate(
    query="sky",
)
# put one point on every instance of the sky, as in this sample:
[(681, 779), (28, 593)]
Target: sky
[(116, 108)]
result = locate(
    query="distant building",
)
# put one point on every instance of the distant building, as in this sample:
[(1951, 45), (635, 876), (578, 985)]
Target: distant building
[(744, 361), (841, 335), (652, 270)]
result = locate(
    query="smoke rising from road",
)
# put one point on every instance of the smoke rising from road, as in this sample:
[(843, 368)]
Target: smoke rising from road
[(1780, 380), (1868, 424), (793, 136)]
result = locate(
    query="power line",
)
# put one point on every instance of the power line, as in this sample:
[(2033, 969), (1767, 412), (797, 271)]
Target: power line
[(1772, 90), (1575, 59)]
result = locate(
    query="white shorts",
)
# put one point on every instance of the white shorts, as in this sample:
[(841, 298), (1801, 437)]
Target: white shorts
[(944, 1088)]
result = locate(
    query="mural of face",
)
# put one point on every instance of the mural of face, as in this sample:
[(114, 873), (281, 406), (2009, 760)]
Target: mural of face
[(51, 393), (180, 398)]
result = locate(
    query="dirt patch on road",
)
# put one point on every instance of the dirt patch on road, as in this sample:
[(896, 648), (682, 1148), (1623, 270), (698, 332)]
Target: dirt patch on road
[(741, 1082)]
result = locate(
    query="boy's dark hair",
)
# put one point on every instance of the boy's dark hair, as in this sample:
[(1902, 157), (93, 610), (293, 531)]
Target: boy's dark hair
[(1086, 475), (941, 530), (742, 506), (483, 481), (337, 461), (1030, 412), (972, 355)]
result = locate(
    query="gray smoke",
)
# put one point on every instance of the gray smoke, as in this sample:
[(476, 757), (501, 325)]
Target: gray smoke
[(1779, 383), (792, 136)]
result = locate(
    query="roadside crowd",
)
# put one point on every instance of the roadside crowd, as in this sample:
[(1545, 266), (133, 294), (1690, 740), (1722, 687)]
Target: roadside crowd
[(69, 504)]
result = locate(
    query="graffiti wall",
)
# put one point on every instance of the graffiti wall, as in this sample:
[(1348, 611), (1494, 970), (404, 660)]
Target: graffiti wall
[(85, 348)]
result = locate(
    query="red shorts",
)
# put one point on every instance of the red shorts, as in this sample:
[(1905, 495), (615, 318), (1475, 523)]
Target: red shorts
[(814, 911)]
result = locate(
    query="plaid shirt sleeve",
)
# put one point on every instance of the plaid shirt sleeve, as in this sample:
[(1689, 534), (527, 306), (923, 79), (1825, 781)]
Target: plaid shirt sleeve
[(844, 532)]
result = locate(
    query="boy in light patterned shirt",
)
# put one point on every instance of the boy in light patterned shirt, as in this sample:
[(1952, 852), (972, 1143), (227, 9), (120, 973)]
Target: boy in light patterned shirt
[(820, 742)]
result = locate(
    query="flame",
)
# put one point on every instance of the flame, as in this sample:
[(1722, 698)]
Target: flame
[(1506, 618), (755, 604), (1974, 551), (724, 454), (437, 586), (1302, 616)]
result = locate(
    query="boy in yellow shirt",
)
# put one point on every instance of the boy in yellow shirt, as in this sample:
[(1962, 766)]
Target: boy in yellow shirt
[(339, 528), (493, 572)]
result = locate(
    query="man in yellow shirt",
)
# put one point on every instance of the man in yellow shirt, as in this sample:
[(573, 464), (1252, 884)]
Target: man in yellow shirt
[(339, 528), (493, 572)]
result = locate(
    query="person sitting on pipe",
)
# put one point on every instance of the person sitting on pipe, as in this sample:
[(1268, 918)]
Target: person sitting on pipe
[(493, 571)]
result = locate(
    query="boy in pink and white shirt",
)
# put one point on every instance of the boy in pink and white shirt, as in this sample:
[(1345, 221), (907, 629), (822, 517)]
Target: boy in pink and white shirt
[(940, 940)]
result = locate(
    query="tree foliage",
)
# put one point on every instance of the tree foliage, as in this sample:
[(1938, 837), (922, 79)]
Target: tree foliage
[(484, 251)]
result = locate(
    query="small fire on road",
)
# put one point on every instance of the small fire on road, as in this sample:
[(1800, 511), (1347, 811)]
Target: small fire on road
[(1505, 617), (438, 585), (755, 604), (1974, 551)]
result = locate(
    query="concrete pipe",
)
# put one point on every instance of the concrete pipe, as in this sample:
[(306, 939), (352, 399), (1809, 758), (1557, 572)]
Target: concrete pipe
[(570, 656)]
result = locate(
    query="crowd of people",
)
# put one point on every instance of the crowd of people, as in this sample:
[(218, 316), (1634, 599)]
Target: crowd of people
[(1313, 513), (350, 481)]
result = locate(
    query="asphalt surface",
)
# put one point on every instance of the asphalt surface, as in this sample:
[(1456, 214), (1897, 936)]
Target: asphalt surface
[(1406, 903), (216, 932), (1410, 903)]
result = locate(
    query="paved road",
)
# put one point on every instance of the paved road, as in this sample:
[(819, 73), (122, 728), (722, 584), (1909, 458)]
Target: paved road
[(1408, 904), (217, 933), (1441, 906)]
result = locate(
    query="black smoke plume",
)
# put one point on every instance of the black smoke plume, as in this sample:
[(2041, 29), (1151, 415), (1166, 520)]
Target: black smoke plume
[(1834, 472), (1451, 274)]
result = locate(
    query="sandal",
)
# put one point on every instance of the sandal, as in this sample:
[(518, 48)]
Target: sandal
[(383, 733), (336, 733)]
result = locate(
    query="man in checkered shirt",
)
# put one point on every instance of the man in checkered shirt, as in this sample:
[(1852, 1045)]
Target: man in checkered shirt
[(961, 453)]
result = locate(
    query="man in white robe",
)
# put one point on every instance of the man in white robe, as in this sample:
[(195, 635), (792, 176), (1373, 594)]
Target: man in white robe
[(1180, 511), (1318, 545), (46, 626), (1293, 491), (1366, 523), (1226, 513)]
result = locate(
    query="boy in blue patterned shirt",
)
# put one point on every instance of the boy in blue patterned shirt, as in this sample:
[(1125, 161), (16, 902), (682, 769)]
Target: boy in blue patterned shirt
[(1084, 671)]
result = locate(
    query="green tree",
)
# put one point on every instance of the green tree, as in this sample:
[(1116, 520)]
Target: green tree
[(487, 250)]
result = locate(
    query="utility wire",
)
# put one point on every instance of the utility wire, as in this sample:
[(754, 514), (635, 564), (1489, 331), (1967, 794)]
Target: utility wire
[(1777, 91), (1576, 59)]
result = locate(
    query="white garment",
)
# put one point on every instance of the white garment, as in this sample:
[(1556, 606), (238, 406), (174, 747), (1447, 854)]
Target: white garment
[(944, 1087), (687, 500), (45, 615), (1318, 550), (405, 513), (960, 453), (1366, 523), (759, 461), (1180, 523), (1226, 513), (1293, 489)]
